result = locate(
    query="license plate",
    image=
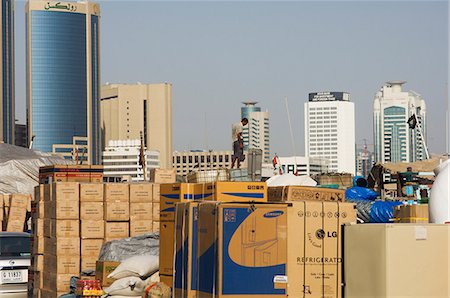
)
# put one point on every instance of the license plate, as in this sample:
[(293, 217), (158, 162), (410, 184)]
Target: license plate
[(12, 276)]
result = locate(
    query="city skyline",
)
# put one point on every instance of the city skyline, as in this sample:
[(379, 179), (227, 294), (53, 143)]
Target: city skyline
[(217, 55)]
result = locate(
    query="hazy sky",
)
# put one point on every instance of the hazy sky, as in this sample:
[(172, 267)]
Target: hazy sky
[(218, 54)]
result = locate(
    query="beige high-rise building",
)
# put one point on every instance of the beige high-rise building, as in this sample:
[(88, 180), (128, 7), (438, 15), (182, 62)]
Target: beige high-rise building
[(129, 109)]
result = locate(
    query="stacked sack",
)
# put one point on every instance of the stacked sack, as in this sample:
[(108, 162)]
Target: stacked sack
[(133, 275)]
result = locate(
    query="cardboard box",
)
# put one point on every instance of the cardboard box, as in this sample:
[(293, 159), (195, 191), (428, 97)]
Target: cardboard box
[(139, 227), (38, 244), (163, 175), (411, 213), (396, 254), (61, 228), (38, 262), (71, 173), (20, 201), (141, 211), (91, 210), (38, 227), (65, 191), (46, 293), (62, 264), (91, 192), (117, 210), (265, 240), (62, 209), (155, 211), (48, 192), (88, 263), (141, 192), (167, 279), (103, 269), (176, 193), (301, 193), (38, 193), (91, 247), (40, 209), (156, 224), (16, 226), (17, 212), (58, 282), (156, 192), (116, 192), (185, 271), (92, 229), (116, 230), (237, 191), (62, 246), (96, 173), (166, 242)]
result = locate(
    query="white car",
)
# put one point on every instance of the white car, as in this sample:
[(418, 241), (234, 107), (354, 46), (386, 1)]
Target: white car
[(15, 259)]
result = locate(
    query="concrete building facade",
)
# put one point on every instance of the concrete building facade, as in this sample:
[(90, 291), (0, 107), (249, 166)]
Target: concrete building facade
[(394, 141), (7, 110), (303, 165), (129, 109), (330, 130), (63, 78), (256, 133), (188, 161), (121, 161)]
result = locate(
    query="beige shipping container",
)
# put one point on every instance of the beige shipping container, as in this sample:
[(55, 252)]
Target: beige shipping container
[(396, 260)]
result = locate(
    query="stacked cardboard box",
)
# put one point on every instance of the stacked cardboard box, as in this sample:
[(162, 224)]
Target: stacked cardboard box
[(92, 225), (174, 193), (14, 212), (117, 210), (61, 251), (411, 213), (141, 209), (35, 277), (71, 173)]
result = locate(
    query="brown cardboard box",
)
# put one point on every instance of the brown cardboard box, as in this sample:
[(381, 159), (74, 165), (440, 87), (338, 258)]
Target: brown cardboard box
[(177, 192), (103, 269), (62, 264), (116, 192), (141, 211), (156, 224), (96, 173), (17, 212), (91, 210), (39, 193), (88, 263), (141, 192), (39, 227), (61, 228), (15, 226), (166, 242), (163, 175), (65, 191), (411, 213), (58, 282), (62, 246), (293, 247), (20, 200), (47, 192), (117, 210), (155, 211), (92, 229), (116, 230), (38, 262), (139, 227), (156, 192), (46, 293), (79, 173), (62, 209), (38, 245), (91, 247), (301, 193), (91, 192), (40, 209)]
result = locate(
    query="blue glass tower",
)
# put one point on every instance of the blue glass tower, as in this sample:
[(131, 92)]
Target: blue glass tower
[(7, 72), (63, 76)]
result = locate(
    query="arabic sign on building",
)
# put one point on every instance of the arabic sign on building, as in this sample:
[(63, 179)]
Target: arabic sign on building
[(60, 6), (329, 96)]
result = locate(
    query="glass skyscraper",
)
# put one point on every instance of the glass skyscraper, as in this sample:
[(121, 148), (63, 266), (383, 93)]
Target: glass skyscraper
[(63, 77), (394, 141), (7, 72)]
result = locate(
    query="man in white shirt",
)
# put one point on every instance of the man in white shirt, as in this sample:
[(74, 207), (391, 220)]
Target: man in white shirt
[(238, 142)]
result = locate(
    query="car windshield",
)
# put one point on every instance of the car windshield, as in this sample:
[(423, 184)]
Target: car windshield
[(14, 246)]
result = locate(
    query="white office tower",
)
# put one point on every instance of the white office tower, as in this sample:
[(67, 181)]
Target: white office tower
[(330, 130), (121, 161), (256, 133), (394, 141)]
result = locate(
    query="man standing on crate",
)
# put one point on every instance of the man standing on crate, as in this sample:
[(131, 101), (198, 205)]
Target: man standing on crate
[(238, 143)]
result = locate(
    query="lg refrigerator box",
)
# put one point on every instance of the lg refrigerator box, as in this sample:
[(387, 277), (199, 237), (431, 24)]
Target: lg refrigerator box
[(173, 193), (411, 213), (275, 250), (401, 260), (301, 193), (185, 271), (166, 243), (238, 191)]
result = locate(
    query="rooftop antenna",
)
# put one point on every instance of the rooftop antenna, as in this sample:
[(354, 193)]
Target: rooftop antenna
[(292, 134)]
